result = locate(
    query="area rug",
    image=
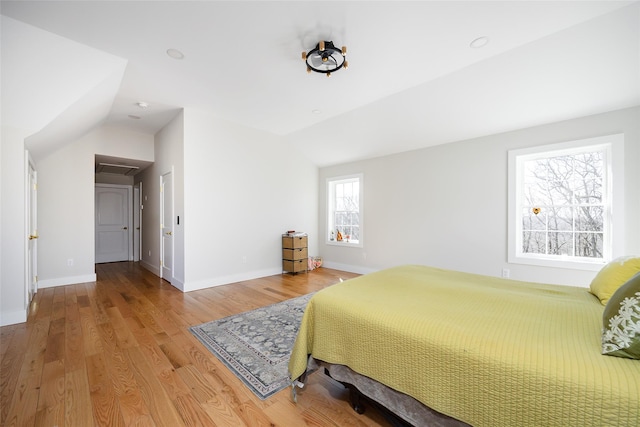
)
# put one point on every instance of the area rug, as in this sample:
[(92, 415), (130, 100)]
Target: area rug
[(256, 345)]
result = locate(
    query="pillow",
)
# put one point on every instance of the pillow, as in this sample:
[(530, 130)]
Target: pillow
[(621, 321), (612, 276)]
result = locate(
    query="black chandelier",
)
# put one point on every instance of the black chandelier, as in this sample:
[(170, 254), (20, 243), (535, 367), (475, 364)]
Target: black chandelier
[(325, 58)]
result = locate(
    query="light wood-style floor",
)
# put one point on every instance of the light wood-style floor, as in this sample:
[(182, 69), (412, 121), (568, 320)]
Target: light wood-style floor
[(118, 352)]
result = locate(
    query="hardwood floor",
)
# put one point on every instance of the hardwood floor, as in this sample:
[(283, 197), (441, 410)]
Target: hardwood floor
[(118, 352)]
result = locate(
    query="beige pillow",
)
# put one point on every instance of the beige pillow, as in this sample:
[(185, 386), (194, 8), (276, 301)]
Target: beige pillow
[(612, 276)]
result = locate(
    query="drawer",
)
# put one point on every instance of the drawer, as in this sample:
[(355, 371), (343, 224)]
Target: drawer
[(294, 242), (295, 254), (294, 266)]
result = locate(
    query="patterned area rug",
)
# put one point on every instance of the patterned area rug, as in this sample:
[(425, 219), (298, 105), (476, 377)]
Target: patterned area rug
[(256, 345)]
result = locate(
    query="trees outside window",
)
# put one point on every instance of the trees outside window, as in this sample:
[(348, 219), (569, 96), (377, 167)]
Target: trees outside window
[(344, 210), (564, 204), (561, 202)]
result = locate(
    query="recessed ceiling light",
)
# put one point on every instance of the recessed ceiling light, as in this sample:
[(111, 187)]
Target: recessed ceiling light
[(479, 42), (131, 116), (316, 111), (175, 53), (142, 105)]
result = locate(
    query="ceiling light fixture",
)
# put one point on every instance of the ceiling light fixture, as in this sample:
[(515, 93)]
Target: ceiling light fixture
[(175, 54), (479, 42), (325, 58), (143, 105), (131, 116)]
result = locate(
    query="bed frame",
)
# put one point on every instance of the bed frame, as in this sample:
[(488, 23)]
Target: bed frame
[(399, 409)]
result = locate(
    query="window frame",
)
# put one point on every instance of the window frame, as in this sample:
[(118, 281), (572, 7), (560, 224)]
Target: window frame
[(330, 199), (613, 227)]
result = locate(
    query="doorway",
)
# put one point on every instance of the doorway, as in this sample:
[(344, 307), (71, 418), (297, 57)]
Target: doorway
[(113, 219), (32, 231)]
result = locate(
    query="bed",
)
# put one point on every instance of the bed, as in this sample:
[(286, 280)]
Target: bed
[(469, 350)]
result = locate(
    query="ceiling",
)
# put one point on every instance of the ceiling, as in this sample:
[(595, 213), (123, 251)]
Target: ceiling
[(413, 79)]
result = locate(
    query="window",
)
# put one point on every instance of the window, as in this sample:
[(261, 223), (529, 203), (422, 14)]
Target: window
[(344, 210), (561, 203)]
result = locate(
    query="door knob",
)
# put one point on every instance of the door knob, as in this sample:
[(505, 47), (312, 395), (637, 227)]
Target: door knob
[(31, 237), (125, 228), (169, 233)]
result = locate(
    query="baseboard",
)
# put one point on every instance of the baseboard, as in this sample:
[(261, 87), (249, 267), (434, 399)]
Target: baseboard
[(156, 270), (347, 267), (62, 281), (249, 275), (232, 278), (177, 284), (13, 317), (152, 268)]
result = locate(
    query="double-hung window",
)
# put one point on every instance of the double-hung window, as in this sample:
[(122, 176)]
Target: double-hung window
[(344, 210), (561, 203)]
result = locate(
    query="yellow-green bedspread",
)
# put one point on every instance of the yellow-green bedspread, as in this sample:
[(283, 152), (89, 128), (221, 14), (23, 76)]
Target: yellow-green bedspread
[(487, 351)]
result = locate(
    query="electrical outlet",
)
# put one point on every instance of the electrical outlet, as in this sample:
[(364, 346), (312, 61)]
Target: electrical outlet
[(244, 259), (505, 273), (70, 262)]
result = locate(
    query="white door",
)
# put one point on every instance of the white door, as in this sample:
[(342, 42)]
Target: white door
[(112, 224), (32, 225), (140, 207), (166, 226), (136, 223)]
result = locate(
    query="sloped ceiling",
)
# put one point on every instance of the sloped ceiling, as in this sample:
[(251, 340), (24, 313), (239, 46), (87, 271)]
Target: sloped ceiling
[(413, 80), (54, 88)]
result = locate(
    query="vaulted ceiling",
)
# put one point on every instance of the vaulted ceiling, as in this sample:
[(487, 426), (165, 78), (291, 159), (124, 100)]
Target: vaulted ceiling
[(413, 79)]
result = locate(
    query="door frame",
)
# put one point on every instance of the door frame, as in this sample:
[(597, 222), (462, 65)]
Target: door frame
[(129, 189), (31, 230), (137, 223)]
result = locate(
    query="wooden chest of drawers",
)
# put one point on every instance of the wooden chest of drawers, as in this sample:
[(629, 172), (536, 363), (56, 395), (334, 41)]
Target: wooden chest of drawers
[(294, 254)]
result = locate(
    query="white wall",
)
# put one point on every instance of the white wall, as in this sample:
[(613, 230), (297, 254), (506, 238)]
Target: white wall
[(150, 219), (446, 206), (169, 143), (13, 233), (242, 189), (66, 202), (170, 159)]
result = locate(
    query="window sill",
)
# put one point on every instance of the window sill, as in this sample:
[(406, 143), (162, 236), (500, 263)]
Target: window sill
[(344, 244), (584, 265)]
